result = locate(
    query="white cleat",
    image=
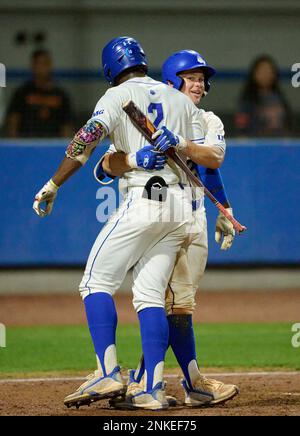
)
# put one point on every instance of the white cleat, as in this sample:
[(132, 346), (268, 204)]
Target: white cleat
[(207, 392), (137, 398), (97, 388)]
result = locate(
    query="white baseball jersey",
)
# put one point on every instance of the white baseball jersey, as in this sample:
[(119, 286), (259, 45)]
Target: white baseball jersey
[(163, 105), (214, 134), (213, 129)]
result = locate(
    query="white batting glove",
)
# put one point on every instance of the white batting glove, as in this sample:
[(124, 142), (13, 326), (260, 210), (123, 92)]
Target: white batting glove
[(47, 194), (224, 228)]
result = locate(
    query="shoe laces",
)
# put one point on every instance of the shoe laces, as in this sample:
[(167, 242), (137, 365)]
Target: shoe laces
[(94, 374), (211, 383)]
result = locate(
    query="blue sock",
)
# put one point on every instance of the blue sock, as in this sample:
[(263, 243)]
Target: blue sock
[(155, 335), (102, 320), (182, 341), (139, 372)]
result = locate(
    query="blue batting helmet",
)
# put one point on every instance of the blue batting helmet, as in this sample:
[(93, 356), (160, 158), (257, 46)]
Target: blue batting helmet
[(185, 60), (120, 54)]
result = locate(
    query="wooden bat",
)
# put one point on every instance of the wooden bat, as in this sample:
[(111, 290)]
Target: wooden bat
[(144, 125)]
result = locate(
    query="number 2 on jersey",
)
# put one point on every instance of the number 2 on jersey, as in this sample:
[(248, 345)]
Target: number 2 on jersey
[(157, 107)]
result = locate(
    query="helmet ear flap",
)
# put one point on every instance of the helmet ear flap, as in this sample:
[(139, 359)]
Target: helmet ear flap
[(109, 74), (181, 82), (206, 86)]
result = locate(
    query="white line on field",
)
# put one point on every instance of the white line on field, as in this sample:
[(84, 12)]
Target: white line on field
[(216, 374)]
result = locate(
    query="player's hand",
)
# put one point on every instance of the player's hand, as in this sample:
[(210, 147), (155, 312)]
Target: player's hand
[(224, 229), (165, 139), (147, 158), (47, 194)]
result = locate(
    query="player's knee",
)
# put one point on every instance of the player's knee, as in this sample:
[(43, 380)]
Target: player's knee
[(181, 299), (140, 304), (84, 292), (183, 304), (175, 310), (144, 298)]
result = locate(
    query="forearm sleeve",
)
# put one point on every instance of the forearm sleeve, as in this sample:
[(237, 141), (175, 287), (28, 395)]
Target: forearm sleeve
[(212, 179)]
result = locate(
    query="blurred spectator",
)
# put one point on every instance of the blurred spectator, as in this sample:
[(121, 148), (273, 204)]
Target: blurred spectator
[(263, 109), (39, 108)]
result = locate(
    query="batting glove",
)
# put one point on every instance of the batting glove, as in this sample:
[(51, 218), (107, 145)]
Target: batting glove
[(165, 139), (47, 194), (224, 228), (147, 158)]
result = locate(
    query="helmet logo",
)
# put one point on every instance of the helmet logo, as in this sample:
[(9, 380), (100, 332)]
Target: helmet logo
[(200, 60), (127, 42)]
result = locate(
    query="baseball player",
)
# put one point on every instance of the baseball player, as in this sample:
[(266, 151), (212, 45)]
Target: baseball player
[(130, 239), (187, 71)]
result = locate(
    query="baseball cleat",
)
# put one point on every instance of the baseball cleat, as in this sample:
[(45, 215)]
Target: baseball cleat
[(208, 392), (97, 388), (137, 398)]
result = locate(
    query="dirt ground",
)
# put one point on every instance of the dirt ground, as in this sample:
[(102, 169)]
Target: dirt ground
[(259, 395), (249, 306), (269, 394)]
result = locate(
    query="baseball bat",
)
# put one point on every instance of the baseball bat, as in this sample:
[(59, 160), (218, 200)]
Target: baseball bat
[(144, 125)]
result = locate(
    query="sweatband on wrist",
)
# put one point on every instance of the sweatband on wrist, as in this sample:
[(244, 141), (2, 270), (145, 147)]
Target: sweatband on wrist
[(131, 160), (53, 184)]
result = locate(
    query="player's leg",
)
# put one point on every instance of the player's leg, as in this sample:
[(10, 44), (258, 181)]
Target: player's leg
[(179, 322), (180, 305), (197, 251), (180, 301), (118, 247), (151, 276), (199, 390), (101, 315)]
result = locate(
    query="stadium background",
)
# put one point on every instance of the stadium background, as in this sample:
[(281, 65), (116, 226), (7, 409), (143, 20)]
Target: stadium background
[(261, 176)]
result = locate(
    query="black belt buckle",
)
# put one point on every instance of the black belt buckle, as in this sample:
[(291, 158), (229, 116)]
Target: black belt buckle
[(155, 189)]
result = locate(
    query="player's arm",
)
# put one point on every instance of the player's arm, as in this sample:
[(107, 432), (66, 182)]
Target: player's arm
[(214, 135), (212, 179), (115, 164), (210, 156), (77, 153)]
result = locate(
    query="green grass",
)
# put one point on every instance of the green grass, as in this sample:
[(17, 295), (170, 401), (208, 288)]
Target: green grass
[(68, 348)]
